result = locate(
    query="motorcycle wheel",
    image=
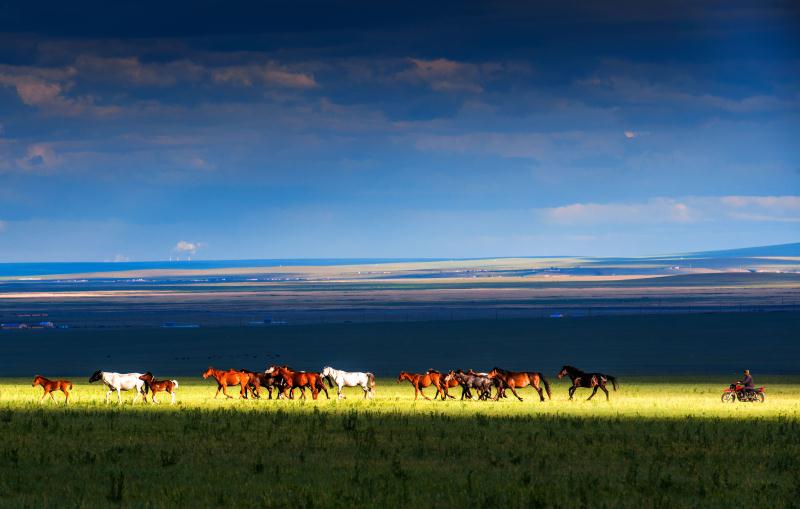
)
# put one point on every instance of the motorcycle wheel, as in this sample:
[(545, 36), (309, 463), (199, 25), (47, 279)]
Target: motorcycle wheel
[(759, 397), (727, 397)]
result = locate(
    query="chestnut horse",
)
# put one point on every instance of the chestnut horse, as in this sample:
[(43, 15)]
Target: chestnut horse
[(299, 379), (226, 378), (518, 379), (442, 384), (155, 386), (52, 385), (418, 381)]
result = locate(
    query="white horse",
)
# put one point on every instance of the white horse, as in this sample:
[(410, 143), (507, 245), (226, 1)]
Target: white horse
[(348, 379), (120, 382)]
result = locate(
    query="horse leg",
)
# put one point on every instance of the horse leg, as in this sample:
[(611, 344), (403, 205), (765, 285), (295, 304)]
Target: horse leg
[(540, 391), (593, 392), (225, 391), (44, 395), (107, 395), (219, 387), (423, 394), (603, 387), (119, 396), (514, 392), (416, 392), (572, 391), (172, 394)]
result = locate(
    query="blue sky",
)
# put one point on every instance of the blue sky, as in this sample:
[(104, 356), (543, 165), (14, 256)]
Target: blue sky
[(134, 131)]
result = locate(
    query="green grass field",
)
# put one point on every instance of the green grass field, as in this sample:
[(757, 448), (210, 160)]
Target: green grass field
[(657, 443)]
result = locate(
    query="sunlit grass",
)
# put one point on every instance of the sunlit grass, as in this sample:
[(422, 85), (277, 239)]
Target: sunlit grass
[(656, 398), (657, 443)]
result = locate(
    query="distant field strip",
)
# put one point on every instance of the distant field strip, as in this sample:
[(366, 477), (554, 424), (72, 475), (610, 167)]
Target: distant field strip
[(223, 303)]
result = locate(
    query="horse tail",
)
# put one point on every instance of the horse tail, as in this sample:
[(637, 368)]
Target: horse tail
[(546, 385), (371, 379), (70, 385), (613, 381)]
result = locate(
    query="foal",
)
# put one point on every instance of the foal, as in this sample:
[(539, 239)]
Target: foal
[(52, 385), (159, 385)]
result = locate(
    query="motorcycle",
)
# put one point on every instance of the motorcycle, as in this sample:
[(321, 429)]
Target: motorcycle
[(738, 391)]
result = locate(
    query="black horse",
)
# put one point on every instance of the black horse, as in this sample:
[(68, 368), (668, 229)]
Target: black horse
[(588, 380), (259, 380)]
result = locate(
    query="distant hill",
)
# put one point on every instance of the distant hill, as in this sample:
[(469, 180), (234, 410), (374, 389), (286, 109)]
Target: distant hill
[(747, 252)]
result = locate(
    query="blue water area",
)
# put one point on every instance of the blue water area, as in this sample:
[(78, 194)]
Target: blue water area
[(51, 268)]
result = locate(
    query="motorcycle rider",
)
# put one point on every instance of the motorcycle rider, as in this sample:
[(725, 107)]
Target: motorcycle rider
[(747, 382)]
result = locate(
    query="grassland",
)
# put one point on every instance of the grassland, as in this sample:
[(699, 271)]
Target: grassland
[(657, 443)]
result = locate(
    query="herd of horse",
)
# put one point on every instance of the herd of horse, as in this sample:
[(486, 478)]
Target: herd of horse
[(284, 380)]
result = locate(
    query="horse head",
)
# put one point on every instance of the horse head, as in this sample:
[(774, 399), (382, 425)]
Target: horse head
[(97, 375), (326, 371), (568, 370), (37, 380), (403, 376), (147, 377), (207, 373)]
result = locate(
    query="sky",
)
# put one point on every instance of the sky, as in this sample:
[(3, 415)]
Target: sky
[(221, 130)]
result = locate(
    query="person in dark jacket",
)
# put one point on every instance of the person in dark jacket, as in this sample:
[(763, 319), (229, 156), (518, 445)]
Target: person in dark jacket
[(747, 381)]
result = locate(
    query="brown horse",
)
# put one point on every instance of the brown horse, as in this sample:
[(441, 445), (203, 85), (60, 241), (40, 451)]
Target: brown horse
[(518, 379), (155, 386), (300, 380), (417, 381), (52, 385), (226, 378), (442, 384)]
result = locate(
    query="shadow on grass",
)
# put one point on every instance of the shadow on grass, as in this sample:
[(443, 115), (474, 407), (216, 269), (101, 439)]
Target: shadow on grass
[(357, 458)]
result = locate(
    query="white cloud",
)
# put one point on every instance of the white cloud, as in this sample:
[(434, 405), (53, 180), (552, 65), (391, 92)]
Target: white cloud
[(121, 258), (656, 210), (763, 208), (674, 210), (630, 135), (184, 246)]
